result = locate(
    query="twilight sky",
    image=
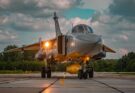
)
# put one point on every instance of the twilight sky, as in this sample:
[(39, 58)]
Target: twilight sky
[(22, 22)]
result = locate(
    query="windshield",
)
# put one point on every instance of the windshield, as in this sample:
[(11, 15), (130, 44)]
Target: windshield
[(82, 29)]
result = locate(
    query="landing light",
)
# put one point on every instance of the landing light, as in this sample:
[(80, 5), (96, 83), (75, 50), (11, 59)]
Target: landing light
[(72, 44), (87, 58), (46, 44)]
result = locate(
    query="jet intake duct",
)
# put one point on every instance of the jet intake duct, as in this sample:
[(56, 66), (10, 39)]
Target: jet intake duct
[(99, 55), (62, 44)]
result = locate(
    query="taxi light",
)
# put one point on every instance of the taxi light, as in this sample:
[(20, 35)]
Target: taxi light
[(72, 44), (46, 44), (87, 58)]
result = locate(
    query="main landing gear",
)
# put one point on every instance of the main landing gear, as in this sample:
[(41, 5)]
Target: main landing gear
[(46, 72), (82, 74), (85, 72)]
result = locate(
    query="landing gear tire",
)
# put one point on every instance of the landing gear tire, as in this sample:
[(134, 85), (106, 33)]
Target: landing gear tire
[(80, 74), (46, 72), (85, 75), (91, 73), (43, 72)]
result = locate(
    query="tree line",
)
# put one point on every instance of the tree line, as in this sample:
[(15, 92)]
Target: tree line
[(125, 64), (26, 61)]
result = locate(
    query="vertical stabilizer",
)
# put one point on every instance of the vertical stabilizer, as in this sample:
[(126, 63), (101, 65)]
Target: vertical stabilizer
[(57, 27)]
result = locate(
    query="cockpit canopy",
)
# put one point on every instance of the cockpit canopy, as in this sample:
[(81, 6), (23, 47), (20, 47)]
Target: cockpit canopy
[(82, 28)]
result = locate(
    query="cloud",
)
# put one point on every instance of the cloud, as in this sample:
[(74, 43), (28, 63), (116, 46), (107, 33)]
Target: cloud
[(7, 38), (124, 37), (96, 4), (77, 20), (23, 23), (20, 16), (123, 8), (116, 24), (6, 35), (117, 32), (113, 19), (123, 51), (32, 15), (36, 8)]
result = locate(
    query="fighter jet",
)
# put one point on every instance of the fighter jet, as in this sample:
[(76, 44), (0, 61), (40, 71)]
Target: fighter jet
[(80, 45)]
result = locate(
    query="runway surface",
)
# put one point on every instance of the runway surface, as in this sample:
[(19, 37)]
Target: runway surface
[(101, 83)]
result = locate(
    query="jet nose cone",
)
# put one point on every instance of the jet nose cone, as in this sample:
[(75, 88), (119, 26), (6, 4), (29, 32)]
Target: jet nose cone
[(90, 38)]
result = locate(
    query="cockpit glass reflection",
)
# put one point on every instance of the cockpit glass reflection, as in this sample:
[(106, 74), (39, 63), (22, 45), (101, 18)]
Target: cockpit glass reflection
[(82, 29)]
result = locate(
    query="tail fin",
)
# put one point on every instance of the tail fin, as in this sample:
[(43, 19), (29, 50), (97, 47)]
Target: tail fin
[(57, 27)]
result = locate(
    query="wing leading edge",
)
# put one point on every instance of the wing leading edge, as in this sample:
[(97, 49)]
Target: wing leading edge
[(35, 46)]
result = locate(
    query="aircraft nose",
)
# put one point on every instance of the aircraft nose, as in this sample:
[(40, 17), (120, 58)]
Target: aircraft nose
[(89, 38)]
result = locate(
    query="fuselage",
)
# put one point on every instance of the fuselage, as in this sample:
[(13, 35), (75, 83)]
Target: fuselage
[(81, 41)]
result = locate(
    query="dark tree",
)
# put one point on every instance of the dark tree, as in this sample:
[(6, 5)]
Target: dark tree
[(11, 56), (126, 63), (10, 47)]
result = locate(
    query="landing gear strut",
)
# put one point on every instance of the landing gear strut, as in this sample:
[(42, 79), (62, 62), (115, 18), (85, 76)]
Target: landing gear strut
[(46, 71)]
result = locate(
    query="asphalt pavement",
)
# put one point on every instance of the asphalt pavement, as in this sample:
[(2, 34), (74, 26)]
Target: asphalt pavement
[(66, 83)]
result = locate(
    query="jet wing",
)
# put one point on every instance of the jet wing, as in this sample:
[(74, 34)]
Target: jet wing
[(35, 46), (107, 49)]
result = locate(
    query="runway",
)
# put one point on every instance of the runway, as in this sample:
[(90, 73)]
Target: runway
[(101, 83)]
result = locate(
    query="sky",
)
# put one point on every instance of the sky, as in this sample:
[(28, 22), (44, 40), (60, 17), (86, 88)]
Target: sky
[(23, 22)]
